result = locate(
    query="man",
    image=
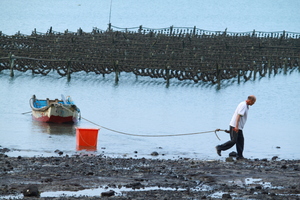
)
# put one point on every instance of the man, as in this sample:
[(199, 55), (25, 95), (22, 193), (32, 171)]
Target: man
[(236, 125)]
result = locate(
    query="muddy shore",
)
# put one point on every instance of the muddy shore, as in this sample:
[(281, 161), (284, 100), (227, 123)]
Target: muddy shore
[(131, 178)]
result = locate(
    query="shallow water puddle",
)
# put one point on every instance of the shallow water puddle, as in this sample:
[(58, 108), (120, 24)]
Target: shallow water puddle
[(246, 183), (220, 194), (119, 191), (258, 181), (98, 191), (91, 192), (251, 182)]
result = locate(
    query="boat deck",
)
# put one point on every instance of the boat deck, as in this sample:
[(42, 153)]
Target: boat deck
[(42, 103)]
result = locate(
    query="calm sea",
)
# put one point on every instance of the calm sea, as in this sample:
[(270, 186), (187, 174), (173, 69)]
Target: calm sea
[(145, 105)]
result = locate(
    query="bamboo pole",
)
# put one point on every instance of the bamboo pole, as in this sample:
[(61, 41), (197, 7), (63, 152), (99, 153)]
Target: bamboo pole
[(269, 67), (168, 75), (12, 63), (239, 76), (69, 69), (254, 70), (116, 71), (285, 66), (218, 74)]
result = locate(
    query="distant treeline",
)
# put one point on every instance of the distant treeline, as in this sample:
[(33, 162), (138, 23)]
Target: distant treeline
[(181, 53)]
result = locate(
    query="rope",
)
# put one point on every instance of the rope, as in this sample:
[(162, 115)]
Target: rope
[(171, 135), (26, 112), (39, 59), (130, 134)]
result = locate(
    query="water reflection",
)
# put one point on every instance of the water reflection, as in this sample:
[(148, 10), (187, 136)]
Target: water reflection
[(86, 148), (54, 129)]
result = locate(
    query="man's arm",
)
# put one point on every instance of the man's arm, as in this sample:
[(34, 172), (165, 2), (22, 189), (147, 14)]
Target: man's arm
[(236, 128)]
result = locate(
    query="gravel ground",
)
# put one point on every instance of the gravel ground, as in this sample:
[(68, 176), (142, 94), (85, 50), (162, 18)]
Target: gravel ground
[(100, 177)]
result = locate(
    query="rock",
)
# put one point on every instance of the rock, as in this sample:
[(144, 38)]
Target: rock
[(274, 157), (232, 154), (58, 152), (136, 185), (108, 193), (272, 194), (259, 187), (226, 196), (90, 173), (31, 191), (154, 153), (47, 180), (229, 159), (283, 167), (4, 150)]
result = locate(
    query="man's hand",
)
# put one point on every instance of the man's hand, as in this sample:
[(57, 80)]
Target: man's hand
[(236, 129)]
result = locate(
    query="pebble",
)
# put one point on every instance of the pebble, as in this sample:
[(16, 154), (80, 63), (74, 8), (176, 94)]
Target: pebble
[(232, 154), (274, 157), (31, 191), (226, 196), (108, 193), (229, 159)]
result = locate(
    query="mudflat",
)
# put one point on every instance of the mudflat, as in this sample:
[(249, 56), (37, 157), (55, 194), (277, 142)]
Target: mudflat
[(132, 178)]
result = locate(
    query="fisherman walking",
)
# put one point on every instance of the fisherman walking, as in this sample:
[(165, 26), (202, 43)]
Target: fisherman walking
[(236, 126)]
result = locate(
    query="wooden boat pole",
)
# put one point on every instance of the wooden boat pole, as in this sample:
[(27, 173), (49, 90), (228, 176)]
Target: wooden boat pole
[(254, 70), (69, 69), (218, 71), (12, 63), (116, 71), (269, 67), (239, 76), (168, 75), (285, 66)]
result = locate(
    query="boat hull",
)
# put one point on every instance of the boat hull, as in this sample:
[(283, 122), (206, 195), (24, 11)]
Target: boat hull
[(56, 112)]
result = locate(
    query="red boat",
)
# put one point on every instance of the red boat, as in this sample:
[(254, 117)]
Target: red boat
[(55, 111)]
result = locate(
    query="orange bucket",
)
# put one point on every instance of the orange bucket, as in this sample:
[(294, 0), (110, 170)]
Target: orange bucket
[(85, 148), (86, 137)]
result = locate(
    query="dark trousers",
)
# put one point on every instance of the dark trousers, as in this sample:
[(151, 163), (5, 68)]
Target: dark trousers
[(237, 139)]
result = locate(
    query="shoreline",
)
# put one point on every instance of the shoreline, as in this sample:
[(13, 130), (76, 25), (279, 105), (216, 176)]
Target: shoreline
[(137, 178)]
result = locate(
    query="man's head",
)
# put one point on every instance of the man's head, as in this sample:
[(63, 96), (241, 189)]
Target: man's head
[(251, 100)]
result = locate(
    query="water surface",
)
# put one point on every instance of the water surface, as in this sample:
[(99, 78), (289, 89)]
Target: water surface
[(146, 106)]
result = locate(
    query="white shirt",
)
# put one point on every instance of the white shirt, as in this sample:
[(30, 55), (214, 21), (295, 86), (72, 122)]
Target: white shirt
[(242, 110)]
